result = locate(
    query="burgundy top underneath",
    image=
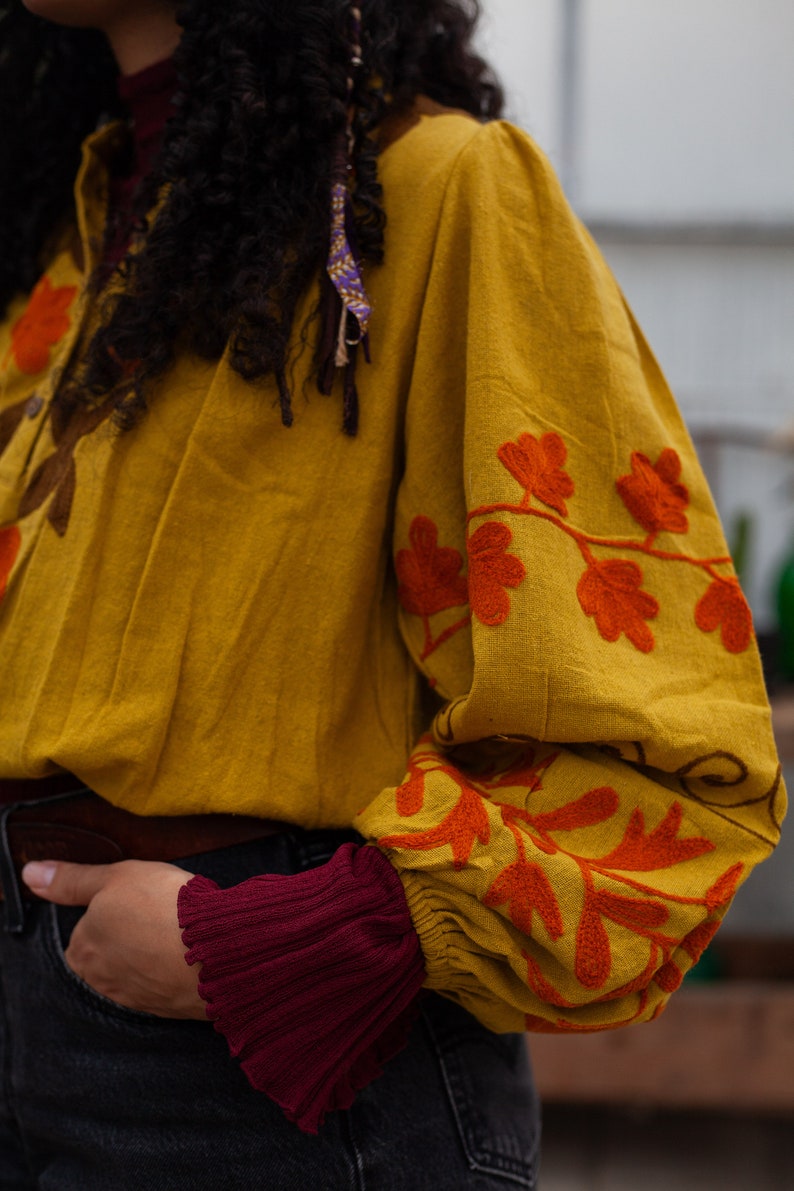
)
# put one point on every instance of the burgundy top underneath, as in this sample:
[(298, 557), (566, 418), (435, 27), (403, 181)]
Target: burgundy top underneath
[(148, 97)]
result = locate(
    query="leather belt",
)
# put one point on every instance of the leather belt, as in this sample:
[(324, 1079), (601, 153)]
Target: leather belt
[(58, 819)]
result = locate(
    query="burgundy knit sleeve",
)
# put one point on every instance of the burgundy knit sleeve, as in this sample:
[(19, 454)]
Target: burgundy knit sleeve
[(311, 978)]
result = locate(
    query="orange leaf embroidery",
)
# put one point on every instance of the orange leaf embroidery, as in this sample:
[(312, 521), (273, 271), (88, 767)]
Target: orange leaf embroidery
[(537, 465), (660, 848), (491, 570), (525, 887), (465, 823), (696, 942), (410, 795), (593, 950), (596, 806), (724, 606), (43, 324), (631, 912), (653, 495), (610, 592), (10, 540), (428, 576), (723, 889), (669, 977)]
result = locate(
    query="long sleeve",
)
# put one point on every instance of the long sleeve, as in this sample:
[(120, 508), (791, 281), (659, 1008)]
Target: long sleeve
[(601, 774), (312, 978)]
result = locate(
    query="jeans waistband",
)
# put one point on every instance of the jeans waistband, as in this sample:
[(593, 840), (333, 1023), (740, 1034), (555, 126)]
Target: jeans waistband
[(80, 826)]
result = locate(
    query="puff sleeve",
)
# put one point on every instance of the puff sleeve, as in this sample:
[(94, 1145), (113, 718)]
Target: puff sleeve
[(601, 773)]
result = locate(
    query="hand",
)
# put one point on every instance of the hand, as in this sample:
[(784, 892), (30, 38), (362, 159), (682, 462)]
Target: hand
[(128, 945)]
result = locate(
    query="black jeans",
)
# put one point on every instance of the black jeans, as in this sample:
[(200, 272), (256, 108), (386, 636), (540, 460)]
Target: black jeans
[(97, 1097)]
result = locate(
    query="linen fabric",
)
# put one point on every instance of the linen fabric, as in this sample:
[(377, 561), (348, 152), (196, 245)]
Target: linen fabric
[(214, 613)]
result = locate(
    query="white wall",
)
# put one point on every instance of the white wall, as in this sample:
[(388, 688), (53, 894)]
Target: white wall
[(685, 108), (522, 38), (674, 136)]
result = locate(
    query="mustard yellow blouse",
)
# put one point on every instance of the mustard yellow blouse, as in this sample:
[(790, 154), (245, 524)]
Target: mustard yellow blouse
[(498, 631)]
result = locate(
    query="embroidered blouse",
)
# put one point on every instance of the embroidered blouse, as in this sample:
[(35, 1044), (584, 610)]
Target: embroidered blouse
[(498, 632)]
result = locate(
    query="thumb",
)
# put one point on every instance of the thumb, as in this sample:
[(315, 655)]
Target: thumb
[(65, 883)]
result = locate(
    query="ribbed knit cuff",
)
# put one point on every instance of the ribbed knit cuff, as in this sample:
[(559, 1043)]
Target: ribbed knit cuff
[(312, 978)]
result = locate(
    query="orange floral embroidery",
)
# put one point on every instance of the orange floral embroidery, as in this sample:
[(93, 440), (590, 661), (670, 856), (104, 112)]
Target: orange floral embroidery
[(611, 593), (611, 893), (43, 324), (653, 495), (526, 890), (660, 848), (429, 579), (696, 942), (593, 950), (537, 465), (10, 540), (721, 892), (410, 795), (596, 806), (638, 851), (669, 977), (491, 570), (723, 606), (465, 823)]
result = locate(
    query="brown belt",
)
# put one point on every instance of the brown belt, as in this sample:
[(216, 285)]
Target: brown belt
[(58, 819)]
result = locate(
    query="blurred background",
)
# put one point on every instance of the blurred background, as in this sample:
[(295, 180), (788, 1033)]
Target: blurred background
[(671, 126)]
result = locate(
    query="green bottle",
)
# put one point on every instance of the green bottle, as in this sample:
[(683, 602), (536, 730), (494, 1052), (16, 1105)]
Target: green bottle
[(785, 617)]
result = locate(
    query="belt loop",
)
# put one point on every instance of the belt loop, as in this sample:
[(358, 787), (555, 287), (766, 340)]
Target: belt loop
[(14, 907)]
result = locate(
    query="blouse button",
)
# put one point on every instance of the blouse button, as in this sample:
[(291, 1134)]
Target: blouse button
[(34, 405)]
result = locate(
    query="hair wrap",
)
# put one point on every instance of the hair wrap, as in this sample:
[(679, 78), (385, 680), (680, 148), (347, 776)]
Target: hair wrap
[(347, 304)]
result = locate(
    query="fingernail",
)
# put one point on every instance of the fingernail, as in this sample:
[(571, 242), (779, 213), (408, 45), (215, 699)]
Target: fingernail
[(39, 874)]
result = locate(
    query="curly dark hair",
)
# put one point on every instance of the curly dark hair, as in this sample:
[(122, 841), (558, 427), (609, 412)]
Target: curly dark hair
[(246, 159)]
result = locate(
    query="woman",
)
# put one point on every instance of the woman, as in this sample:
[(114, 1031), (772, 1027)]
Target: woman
[(512, 781)]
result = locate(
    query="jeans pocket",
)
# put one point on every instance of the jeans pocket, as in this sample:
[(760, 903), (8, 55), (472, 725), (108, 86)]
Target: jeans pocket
[(492, 1095), (57, 926)]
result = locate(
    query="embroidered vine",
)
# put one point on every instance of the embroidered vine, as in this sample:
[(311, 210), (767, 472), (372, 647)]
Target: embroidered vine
[(41, 327), (610, 589), (613, 889), (429, 580), (56, 477)]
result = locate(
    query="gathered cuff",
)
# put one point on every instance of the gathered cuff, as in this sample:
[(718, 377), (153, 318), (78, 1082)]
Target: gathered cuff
[(313, 979)]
